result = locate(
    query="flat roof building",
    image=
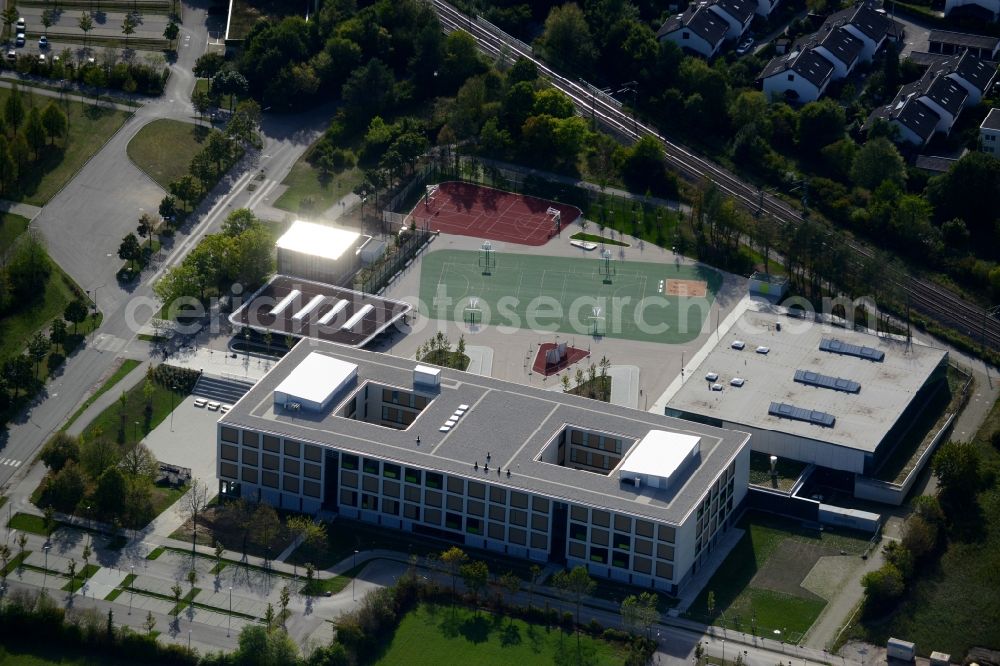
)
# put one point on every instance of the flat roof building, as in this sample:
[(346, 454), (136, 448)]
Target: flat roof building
[(320, 252), (633, 496), (811, 392)]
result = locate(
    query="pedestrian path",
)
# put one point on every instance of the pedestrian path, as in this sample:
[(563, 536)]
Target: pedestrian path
[(10, 462), (108, 398), (18, 208)]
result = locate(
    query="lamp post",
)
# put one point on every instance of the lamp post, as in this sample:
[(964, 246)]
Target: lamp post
[(131, 590), (173, 391), (189, 640), (354, 578), (45, 575), (229, 626), (723, 652), (135, 432)]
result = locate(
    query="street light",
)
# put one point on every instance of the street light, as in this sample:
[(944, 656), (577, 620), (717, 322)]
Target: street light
[(230, 625), (354, 578), (173, 390), (189, 640), (131, 590), (45, 575), (135, 432)]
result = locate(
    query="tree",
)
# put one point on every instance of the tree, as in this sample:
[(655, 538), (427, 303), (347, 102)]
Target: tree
[(128, 27), (168, 207), (20, 152), (192, 577), (220, 550), (10, 15), (54, 121), (820, 124), (576, 585), (87, 552), (230, 82), (201, 101), (110, 492), (534, 577), (8, 169), (71, 572), (186, 189), (171, 32), (311, 534), (240, 514), (266, 646), (218, 149), (64, 489), (145, 228), (284, 598), (138, 463), (645, 168), (13, 110), (38, 348), (130, 250), (876, 162), (956, 465), (201, 168), (710, 603), (640, 612), (47, 20), (567, 41), (208, 65), (150, 623), (266, 525), (882, 587), (75, 313), (453, 559), (59, 450), (193, 504), (176, 590), (34, 131), (510, 583), (57, 332), (269, 617), (98, 454), (476, 576), (86, 24), (967, 192), (4, 559)]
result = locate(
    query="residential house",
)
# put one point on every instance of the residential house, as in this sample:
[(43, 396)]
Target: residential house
[(989, 133), (698, 30), (986, 9), (946, 42), (736, 13), (765, 7), (800, 76), (971, 73)]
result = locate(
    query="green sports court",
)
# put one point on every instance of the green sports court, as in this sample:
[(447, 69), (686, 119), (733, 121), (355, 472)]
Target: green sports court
[(664, 302)]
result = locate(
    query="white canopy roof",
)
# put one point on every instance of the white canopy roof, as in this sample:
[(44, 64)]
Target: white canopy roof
[(318, 240)]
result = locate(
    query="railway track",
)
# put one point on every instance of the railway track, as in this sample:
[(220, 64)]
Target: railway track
[(931, 299)]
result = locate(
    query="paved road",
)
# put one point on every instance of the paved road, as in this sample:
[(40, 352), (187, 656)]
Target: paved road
[(84, 223)]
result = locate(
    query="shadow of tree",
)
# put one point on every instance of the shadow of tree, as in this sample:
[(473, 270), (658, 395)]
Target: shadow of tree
[(475, 629), (510, 635)]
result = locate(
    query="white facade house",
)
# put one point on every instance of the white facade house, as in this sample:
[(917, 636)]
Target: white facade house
[(736, 13), (765, 7), (971, 73), (986, 8), (947, 99), (989, 133), (872, 26), (800, 77), (842, 49), (698, 30)]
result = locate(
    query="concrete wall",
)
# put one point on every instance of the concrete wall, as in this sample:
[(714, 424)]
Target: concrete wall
[(849, 518), (785, 445)]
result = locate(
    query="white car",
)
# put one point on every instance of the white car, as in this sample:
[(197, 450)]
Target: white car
[(200, 402), (41, 58), (43, 42), (19, 40), (745, 46), (11, 55), (21, 24), (214, 406)]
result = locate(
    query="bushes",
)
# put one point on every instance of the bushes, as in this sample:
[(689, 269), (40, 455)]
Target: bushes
[(169, 376), (130, 77)]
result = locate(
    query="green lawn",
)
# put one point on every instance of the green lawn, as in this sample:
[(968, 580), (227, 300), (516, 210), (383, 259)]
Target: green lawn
[(127, 366), (954, 605), (304, 183), (163, 149), (111, 419), (595, 238), (18, 327), (558, 294), (788, 471), (38, 654), (11, 226), (740, 597), (434, 635), (447, 359), (90, 127), (27, 522)]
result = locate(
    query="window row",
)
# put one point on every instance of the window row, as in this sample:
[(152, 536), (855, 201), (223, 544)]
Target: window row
[(636, 563), (620, 542), (286, 483), (623, 524), (272, 444), (269, 461)]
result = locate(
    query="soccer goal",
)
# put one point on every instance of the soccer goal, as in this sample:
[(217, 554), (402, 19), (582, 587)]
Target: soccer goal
[(607, 267), (487, 258)]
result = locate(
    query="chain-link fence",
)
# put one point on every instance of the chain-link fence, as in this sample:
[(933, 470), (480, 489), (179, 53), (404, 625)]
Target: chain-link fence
[(374, 278)]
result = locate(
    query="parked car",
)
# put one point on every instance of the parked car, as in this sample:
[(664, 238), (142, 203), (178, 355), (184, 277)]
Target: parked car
[(745, 46), (21, 25), (19, 40), (43, 42), (41, 58), (11, 55)]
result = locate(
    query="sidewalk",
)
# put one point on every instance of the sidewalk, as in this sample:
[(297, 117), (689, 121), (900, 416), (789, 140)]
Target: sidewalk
[(17, 208), (108, 398)]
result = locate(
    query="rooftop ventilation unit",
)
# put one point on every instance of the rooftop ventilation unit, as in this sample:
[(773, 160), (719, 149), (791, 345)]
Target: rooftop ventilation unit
[(310, 306), (763, 350), (712, 376), (785, 411), (333, 312), (835, 346), (737, 381), (358, 316), (738, 345), (825, 381), (426, 375), (285, 302)]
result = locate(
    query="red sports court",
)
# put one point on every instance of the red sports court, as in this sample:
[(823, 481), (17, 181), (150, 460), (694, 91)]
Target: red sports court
[(465, 209)]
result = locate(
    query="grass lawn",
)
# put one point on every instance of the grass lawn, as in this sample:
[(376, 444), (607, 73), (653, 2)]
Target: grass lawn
[(40, 654), (27, 522), (954, 604), (163, 149), (90, 127), (18, 327), (746, 587), (446, 359), (109, 422), (11, 226), (127, 366), (433, 635), (155, 553), (304, 183), (213, 525), (81, 578), (595, 238), (164, 496), (788, 471)]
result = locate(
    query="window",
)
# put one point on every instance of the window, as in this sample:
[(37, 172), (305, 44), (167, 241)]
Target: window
[(390, 471), (473, 526), (346, 461), (455, 503), (229, 452), (539, 541), (666, 533), (476, 508), (540, 504), (599, 555), (623, 523), (349, 479), (622, 541), (369, 502), (577, 550), (412, 475), (312, 471), (269, 479), (643, 547), (664, 552), (644, 528), (371, 466), (519, 500), (313, 453), (453, 521), (685, 35), (348, 498), (411, 511), (791, 77), (270, 461), (602, 518), (250, 457), (539, 522), (517, 536), (578, 531), (292, 484), (498, 513), (271, 444), (496, 531), (456, 485), (518, 517), (411, 494), (292, 449), (642, 565), (291, 466), (434, 480), (664, 570), (432, 516), (432, 498), (390, 488), (477, 490), (251, 439), (368, 484), (230, 435), (310, 488), (390, 506), (498, 495), (600, 537), (250, 475), (228, 470), (619, 560)]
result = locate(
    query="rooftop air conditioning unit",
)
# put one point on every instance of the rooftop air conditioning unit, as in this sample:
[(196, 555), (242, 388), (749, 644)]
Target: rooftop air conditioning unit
[(763, 350), (738, 345), (716, 387), (737, 381), (638, 481), (712, 376)]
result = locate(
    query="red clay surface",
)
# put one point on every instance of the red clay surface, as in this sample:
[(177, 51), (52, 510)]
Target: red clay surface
[(465, 209), (573, 355)]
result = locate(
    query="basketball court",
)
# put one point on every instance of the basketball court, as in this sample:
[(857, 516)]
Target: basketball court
[(596, 296), (466, 209)]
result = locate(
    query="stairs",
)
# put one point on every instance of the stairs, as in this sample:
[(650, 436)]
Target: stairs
[(223, 390)]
